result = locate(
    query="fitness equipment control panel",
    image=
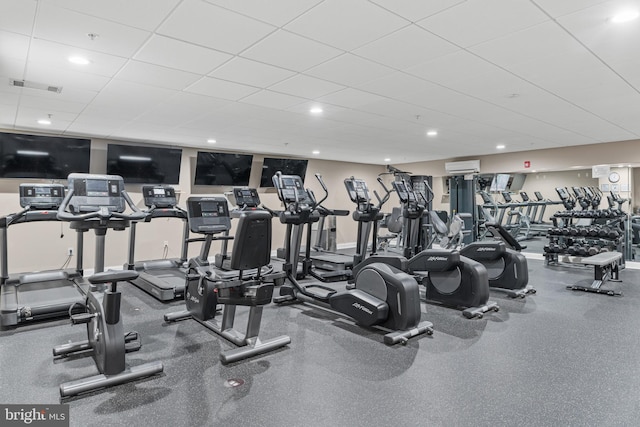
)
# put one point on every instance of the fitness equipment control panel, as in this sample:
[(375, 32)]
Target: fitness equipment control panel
[(246, 197), (357, 189), (290, 186), (94, 192), (41, 196), (159, 196), (208, 215)]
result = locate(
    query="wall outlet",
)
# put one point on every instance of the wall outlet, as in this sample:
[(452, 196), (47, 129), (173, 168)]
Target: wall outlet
[(70, 251)]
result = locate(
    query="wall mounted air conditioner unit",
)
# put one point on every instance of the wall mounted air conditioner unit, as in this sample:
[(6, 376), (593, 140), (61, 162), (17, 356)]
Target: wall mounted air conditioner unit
[(462, 168)]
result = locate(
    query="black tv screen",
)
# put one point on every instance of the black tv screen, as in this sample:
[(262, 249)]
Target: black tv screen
[(223, 168), (144, 165), (286, 166), (47, 157)]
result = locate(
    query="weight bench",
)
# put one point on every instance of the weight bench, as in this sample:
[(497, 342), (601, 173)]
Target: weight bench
[(605, 269)]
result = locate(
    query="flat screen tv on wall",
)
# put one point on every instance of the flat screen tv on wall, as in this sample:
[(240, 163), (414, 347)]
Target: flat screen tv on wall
[(286, 166), (144, 165), (45, 157), (223, 168)]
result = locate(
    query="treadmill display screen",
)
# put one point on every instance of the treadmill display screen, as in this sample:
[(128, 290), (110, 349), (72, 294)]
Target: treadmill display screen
[(159, 192)]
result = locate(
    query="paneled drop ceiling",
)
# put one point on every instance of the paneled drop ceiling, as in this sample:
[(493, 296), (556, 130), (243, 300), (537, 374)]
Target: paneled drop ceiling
[(526, 74)]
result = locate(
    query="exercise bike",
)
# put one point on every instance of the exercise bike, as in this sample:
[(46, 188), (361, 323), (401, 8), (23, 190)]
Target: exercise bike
[(383, 297), (204, 290), (97, 202)]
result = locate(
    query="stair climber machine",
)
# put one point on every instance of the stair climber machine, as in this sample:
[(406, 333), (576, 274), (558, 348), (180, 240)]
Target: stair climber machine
[(162, 278), (247, 201), (383, 297), (40, 295), (98, 202), (209, 216), (450, 279)]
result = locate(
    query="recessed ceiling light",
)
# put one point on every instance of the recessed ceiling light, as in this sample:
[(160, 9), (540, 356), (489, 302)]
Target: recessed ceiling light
[(211, 141), (387, 160), (315, 110), (501, 147), (316, 152), (79, 60), (625, 16), (432, 133), (44, 121)]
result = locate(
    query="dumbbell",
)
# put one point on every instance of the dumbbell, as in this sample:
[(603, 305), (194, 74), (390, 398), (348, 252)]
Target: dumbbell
[(593, 250), (583, 250)]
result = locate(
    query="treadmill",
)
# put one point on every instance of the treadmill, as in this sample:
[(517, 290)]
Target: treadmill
[(164, 279), (40, 295)]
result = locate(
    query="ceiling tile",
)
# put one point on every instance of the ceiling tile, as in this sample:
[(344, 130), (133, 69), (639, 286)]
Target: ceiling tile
[(340, 24), (306, 87), (8, 115), (482, 20), (71, 28), (211, 26), (13, 46), (415, 10), (221, 89), (536, 44), (155, 75), (11, 69), (180, 55), (128, 99), (609, 41), (17, 16), (143, 14), (245, 71), (50, 102), (349, 70), (267, 98), (557, 8), (290, 51), (47, 54), (275, 13), (350, 98), (406, 47), (182, 108)]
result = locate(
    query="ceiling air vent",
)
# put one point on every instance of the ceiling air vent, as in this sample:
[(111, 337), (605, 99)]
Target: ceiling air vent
[(35, 85)]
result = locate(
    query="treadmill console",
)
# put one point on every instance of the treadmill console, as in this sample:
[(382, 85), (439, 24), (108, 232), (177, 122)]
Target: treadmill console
[(357, 189), (507, 197), (41, 196), (93, 192), (208, 215), (246, 197), (159, 196), (525, 196), (290, 186), (538, 196)]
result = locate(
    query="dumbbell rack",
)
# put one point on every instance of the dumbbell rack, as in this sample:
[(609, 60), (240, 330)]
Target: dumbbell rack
[(571, 238)]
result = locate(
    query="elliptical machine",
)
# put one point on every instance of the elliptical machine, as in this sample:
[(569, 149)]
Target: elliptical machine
[(204, 290), (449, 279), (97, 202), (383, 297)]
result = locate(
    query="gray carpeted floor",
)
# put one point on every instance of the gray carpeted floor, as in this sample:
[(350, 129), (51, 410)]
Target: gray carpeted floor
[(556, 358)]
